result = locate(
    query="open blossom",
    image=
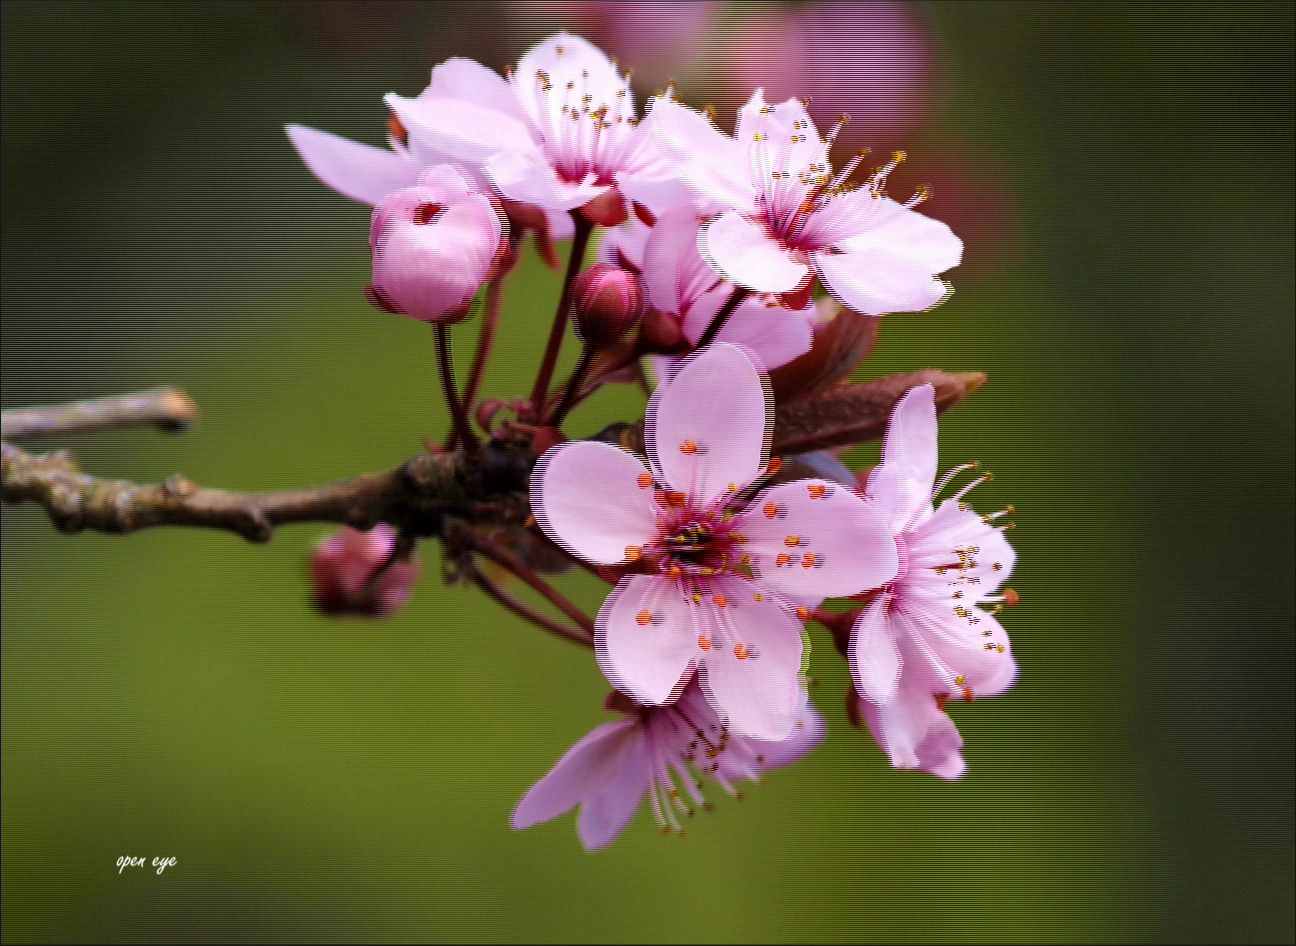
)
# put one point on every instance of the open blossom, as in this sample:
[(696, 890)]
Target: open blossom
[(338, 566), (723, 564), (788, 220), (683, 285), (435, 246), (561, 132), (925, 639), (607, 771), (369, 175)]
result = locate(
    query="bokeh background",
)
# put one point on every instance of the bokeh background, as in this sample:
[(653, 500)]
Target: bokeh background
[(1122, 176)]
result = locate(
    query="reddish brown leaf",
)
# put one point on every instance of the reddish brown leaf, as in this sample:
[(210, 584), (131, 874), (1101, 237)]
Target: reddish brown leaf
[(857, 412), (839, 347)]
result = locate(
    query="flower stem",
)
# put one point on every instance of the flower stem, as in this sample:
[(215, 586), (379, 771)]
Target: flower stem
[(457, 414), (573, 385), (721, 318), (526, 612), (551, 594), (584, 227), (484, 337)]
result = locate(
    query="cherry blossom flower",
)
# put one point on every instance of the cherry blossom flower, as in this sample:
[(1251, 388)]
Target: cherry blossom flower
[(338, 566), (561, 132), (369, 174), (788, 220), (607, 771), (435, 246), (685, 287), (724, 569), (925, 639)]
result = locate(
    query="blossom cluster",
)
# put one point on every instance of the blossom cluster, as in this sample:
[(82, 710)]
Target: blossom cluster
[(716, 259)]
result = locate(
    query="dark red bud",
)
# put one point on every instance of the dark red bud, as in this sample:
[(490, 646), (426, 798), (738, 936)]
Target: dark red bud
[(609, 301)]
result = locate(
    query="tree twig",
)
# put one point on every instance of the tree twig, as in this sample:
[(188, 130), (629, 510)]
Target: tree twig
[(168, 408), (415, 497)]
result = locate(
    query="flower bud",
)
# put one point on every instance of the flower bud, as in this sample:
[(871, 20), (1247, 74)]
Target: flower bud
[(338, 566), (609, 301), (435, 245)]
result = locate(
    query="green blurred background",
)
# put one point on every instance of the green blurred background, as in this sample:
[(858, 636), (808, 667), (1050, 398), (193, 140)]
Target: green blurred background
[(1122, 175)]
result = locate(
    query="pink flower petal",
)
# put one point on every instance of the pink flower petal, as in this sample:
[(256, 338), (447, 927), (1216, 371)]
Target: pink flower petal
[(948, 651), (712, 164), (585, 770), (564, 58), (671, 240), (646, 641), (587, 497), (528, 176), (880, 281), (359, 171), (470, 81), (874, 657), (623, 244), (749, 256), (816, 537), (709, 429), (657, 191), (463, 130), (916, 733), (753, 676), (910, 234), (774, 334), (805, 731), (902, 484), (785, 130), (604, 814)]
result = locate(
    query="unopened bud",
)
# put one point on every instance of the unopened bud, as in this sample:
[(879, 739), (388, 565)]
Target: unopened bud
[(435, 245), (343, 577), (609, 301)]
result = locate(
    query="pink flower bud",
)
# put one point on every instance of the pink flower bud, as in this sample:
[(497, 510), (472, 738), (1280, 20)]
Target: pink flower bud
[(338, 566), (435, 245), (609, 301)]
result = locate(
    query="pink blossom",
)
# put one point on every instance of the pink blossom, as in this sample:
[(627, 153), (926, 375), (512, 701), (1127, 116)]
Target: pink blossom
[(682, 285), (724, 568), (925, 639), (607, 771), (560, 132), (435, 246), (868, 58), (788, 220), (368, 174), (338, 565)]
